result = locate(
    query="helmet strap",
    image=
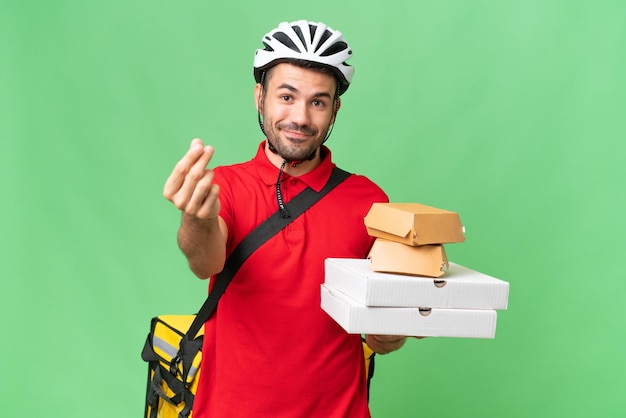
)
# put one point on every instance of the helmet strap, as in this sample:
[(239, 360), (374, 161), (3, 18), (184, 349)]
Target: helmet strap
[(337, 104), (261, 104)]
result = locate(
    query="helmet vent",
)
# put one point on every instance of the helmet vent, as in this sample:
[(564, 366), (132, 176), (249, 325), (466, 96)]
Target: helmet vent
[(298, 32), (312, 29), (285, 40), (327, 34), (334, 48)]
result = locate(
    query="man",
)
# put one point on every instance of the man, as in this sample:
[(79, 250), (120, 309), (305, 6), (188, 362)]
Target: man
[(269, 349)]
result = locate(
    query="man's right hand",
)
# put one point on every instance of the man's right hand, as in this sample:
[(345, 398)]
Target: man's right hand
[(190, 186)]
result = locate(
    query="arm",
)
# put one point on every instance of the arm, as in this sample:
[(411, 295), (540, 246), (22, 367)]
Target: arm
[(202, 234), (204, 244)]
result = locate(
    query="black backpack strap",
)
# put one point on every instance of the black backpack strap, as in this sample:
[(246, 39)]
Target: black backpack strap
[(270, 227)]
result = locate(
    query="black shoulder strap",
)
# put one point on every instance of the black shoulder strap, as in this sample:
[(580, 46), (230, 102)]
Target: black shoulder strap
[(270, 227)]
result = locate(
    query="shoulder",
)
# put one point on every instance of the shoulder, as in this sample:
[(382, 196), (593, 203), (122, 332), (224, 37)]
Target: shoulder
[(234, 168), (362, 185)]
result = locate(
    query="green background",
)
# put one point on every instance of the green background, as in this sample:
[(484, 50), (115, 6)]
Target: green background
[(508, 112)]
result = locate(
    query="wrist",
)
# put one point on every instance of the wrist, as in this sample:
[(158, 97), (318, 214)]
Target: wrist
[(199, 223)]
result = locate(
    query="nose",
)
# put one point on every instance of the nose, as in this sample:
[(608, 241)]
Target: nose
[(300, 114)]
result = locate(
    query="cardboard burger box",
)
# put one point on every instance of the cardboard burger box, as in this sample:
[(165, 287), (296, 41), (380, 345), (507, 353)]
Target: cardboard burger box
[(356, 318), (460, 288), (422, 260), (414, 224)]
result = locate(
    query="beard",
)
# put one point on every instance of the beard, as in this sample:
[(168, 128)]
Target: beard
[(293, 149)]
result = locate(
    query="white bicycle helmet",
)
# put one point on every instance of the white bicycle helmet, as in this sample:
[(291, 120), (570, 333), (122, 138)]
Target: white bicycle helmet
[(309, 41)]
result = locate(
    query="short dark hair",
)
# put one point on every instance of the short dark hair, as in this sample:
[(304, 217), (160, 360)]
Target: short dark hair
[(308, 65)]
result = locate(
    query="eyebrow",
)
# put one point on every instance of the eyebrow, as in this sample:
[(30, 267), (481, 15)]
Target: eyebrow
[(295, 90)]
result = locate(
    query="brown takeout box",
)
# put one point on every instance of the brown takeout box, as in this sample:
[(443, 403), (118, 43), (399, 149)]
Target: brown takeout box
[(422, 260), (414, 224)]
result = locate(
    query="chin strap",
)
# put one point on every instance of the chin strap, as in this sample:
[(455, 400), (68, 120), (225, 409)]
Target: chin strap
[(279, 194)]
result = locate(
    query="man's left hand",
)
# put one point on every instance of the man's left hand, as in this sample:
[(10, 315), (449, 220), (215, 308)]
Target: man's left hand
[(383, 344)]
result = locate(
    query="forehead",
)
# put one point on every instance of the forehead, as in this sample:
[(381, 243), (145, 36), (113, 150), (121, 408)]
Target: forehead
[(302, 79)]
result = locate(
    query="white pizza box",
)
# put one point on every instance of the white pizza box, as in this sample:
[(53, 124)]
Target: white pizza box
[(459, 288), (356, 318)]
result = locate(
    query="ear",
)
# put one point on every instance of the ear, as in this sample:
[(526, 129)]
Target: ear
[(258, 97)]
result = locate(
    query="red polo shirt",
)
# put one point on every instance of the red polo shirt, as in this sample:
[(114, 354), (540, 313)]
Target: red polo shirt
[(270, 350)]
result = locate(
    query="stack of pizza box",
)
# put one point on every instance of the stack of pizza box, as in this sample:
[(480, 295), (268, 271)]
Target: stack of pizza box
[(407, 286)]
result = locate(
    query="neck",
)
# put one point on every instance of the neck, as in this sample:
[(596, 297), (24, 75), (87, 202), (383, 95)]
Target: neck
[(292, 169)]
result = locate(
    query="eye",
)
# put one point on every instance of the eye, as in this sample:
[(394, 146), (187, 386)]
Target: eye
[(285, 98), (318, 103)]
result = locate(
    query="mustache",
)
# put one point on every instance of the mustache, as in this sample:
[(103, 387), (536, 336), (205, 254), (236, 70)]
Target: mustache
[(289, 126)]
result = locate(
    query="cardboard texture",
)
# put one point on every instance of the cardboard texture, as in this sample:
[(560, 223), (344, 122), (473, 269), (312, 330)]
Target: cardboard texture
[(414, 224), (459, 288), (359, 319), (394, 257)]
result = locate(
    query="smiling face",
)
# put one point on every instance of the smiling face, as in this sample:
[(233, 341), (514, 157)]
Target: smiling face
[(298, 108)]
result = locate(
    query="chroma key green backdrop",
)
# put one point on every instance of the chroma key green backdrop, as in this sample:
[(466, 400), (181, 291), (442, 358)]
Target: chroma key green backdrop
[(508, 112)]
